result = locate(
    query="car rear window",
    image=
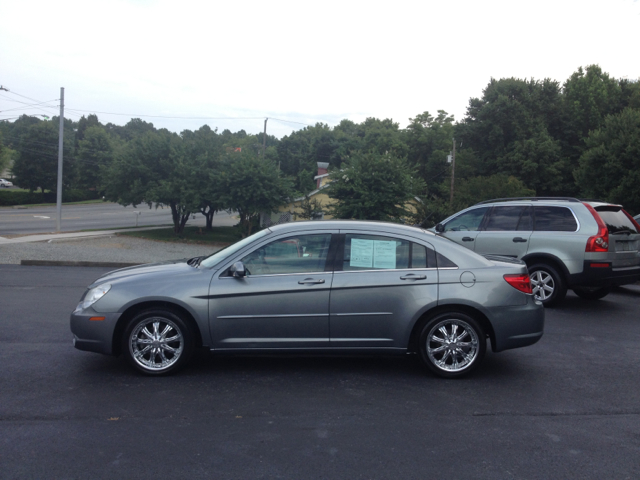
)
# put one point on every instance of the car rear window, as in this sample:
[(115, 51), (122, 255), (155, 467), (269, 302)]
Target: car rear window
[(554, 219), (616, 220)]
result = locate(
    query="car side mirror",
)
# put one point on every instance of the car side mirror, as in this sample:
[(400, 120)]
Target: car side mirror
[(439, 228), (238, 270)]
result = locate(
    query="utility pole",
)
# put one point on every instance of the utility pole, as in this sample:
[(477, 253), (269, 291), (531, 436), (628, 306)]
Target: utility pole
[(453, 170), (60, 145), (264, 139)]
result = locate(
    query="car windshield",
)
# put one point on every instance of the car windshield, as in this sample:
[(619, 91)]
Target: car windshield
[(220, 255)]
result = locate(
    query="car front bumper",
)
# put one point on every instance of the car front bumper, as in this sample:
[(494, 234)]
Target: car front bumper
[(93, 331)]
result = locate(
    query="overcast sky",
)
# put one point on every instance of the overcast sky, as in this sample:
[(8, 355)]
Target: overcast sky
[(237, 62)]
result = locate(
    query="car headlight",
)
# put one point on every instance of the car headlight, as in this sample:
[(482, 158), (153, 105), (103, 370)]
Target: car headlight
[(93, 296)]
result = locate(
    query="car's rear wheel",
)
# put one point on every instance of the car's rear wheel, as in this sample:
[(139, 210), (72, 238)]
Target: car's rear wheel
[(592, 293), (158, 342), (547, 284), (452, 344)]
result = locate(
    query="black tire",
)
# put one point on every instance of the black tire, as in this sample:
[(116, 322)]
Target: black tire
[(452, 344), (158, 342), (548, 285), (592, 293)]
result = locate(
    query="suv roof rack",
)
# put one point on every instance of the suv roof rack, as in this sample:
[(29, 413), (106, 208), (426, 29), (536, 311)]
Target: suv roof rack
[(533, 199)]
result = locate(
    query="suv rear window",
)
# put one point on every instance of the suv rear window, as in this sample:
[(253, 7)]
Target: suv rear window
[(616, 220), (554, 219)]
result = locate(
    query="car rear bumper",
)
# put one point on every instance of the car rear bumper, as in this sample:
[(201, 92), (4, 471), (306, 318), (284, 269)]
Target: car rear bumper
[(92, 331), (602, 274), (516, 326)]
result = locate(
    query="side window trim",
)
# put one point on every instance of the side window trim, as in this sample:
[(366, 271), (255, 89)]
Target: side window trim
[(336, 253)]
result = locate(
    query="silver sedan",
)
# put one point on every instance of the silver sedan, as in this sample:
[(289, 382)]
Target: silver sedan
[(336, 287)]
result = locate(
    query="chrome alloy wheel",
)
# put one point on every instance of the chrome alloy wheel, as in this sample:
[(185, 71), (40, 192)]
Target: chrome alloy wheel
[(452, 345), (543, 285), (156, 344)]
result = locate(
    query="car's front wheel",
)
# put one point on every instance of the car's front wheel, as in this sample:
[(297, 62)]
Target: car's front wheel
[(452, 344), (158, 342), (592, 293), (547, 284)]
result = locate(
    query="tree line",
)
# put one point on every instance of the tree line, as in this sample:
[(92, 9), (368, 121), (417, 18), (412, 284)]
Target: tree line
[(520, 138)]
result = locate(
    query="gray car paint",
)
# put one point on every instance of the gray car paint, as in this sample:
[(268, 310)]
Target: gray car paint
[(350, 311)]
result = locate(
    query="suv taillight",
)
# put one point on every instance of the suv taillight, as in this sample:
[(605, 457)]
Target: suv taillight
[(599, 242), (519, 282)]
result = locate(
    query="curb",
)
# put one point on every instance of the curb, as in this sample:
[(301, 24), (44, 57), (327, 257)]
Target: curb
[(65, 263)]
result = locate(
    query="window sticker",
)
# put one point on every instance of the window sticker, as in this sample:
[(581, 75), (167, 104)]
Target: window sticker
[(361, 253), (384, 254)]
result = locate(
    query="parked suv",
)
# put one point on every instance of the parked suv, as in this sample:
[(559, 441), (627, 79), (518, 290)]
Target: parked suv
[(587, 246)]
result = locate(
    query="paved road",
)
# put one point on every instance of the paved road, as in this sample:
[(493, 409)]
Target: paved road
[(15, 221), (567, 407)]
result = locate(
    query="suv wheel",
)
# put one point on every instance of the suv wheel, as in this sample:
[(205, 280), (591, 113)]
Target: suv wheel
[(548, 285), (592, 293)]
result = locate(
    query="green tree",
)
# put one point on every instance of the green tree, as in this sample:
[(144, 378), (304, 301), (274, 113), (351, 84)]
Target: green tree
[(310, 208), (152, 169), (373, 186), (429, 141), (510, 130), (250, 185), (93, 155), (83, 124), (37, 164), (589, 96), (478, 189), (610, 166), (7, 156), (204, 149)]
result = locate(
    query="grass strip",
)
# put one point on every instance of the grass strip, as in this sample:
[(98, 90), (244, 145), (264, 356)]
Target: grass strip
[(193, 235)]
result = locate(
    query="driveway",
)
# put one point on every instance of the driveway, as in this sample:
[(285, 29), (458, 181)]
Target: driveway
[(567, 407)]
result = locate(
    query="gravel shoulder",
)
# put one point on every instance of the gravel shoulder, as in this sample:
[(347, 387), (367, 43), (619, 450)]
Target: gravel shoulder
[(119, 249)]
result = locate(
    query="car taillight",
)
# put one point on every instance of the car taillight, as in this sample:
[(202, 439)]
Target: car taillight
[(599, 242), (519, 282)]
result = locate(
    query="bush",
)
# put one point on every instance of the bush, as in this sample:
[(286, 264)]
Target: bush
[(8, 198)]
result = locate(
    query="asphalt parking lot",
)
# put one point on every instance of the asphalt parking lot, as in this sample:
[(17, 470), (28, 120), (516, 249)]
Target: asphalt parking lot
[(567, 407)]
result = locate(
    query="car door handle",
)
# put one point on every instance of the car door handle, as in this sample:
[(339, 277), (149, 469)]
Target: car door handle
[(519, 240), (413, 276), (311, 281), (467, 239)]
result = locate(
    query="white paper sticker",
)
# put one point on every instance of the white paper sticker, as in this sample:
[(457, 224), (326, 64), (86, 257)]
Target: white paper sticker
[(384, 254), (361, 253)]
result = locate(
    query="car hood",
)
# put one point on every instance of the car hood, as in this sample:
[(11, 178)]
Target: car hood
[(170, 267)]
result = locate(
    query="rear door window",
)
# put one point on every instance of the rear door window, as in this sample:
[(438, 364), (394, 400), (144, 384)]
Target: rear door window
[(616, 220), (370, 252), (554, 219)]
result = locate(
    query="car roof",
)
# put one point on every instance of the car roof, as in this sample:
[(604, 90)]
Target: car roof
[(348, 225), (546, 201)]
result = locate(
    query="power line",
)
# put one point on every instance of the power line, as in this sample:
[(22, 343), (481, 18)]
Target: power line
[(135, 115), (290, 121)]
